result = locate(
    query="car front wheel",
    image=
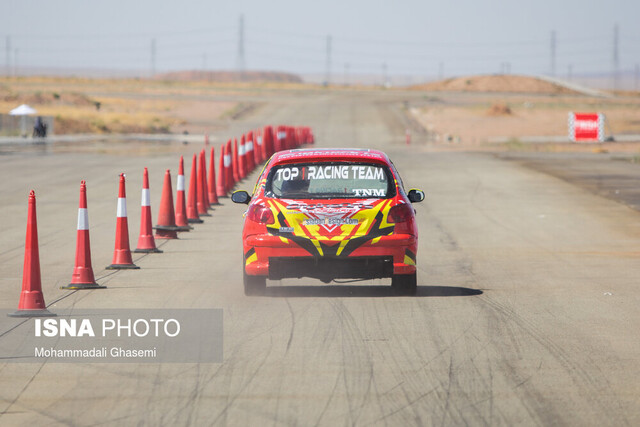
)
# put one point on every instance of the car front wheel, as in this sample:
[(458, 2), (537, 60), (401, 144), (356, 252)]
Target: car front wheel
[(405, 284)]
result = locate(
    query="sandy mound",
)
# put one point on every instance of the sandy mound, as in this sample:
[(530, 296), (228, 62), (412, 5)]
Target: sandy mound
[(496, 83), (231, 76)]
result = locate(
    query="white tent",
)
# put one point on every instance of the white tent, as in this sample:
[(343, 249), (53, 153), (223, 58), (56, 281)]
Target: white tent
[(24, 110)]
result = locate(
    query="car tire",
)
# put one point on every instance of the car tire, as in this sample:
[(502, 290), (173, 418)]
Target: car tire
[(254, 285), (405, 284)]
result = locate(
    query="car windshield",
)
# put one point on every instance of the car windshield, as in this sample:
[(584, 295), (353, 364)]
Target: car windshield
[(329, 180)]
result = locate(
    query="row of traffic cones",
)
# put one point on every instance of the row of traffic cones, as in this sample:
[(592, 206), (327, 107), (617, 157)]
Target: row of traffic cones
[(235, 163)]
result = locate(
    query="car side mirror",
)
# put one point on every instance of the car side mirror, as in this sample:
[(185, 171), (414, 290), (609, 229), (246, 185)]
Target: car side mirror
[(240, 197), (415, 195)]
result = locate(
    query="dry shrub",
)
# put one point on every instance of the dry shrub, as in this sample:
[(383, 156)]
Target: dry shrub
[(499, 109)]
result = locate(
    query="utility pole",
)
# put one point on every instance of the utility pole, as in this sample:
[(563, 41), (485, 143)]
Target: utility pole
[(616, 58), (327, 79), (8, 51), (240, 65), (153, 57), (553, 53), (346, 74), (385, 77), (15, 62)]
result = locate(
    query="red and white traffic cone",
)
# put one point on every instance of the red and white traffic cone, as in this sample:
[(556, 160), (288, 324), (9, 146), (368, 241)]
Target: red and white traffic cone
[(146, 242), (268, 142), (242, 158), (31, 299), (249, 153), (235, 163), (201, 202), (166, 227), (181, 203), (279, 143), (205, 181), (82, 277), (229, 181), (192, 197), (206, 139), (211, 183), (122, 252), (221, 186), (259, 148)]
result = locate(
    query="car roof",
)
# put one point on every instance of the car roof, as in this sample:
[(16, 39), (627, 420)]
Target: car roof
[(329, 154)]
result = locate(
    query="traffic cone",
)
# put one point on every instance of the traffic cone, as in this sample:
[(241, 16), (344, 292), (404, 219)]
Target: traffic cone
[(166, 227), (234, 162), (181, 205), (205, 182), (146, 242), (228, 168), (206, 139), (259, 149), (268, 142), (122, 253), (31, 299), (249, 153), (211, 184), (221, 187), (192, 199), (82, 277), (201, 203), (242, 158), (279, 143)]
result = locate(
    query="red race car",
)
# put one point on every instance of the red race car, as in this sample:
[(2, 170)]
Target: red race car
[(329, 214)]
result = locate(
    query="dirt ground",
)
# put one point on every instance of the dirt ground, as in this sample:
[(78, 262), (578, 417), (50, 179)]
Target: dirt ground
[(486, 118), (466, 113)]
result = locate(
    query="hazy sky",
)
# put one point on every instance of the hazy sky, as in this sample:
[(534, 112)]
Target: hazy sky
[(420, 38)]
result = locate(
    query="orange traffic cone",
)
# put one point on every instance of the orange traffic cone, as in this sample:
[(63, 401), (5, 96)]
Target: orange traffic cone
[(122, 253), (259, 152), (200, 192), (166, 228), (211, 184), (221, 187), (203, 176), (192, 200), (248, 151), (235, 166), (146, 242), (206, 139), (31, 299), (82, 277), (181, 204), (242, 158)]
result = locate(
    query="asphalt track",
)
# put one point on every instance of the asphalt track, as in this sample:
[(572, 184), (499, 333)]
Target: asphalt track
[(526, 312)]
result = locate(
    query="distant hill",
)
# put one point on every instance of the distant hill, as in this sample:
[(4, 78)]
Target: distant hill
[(231, 76), (496, 83)]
